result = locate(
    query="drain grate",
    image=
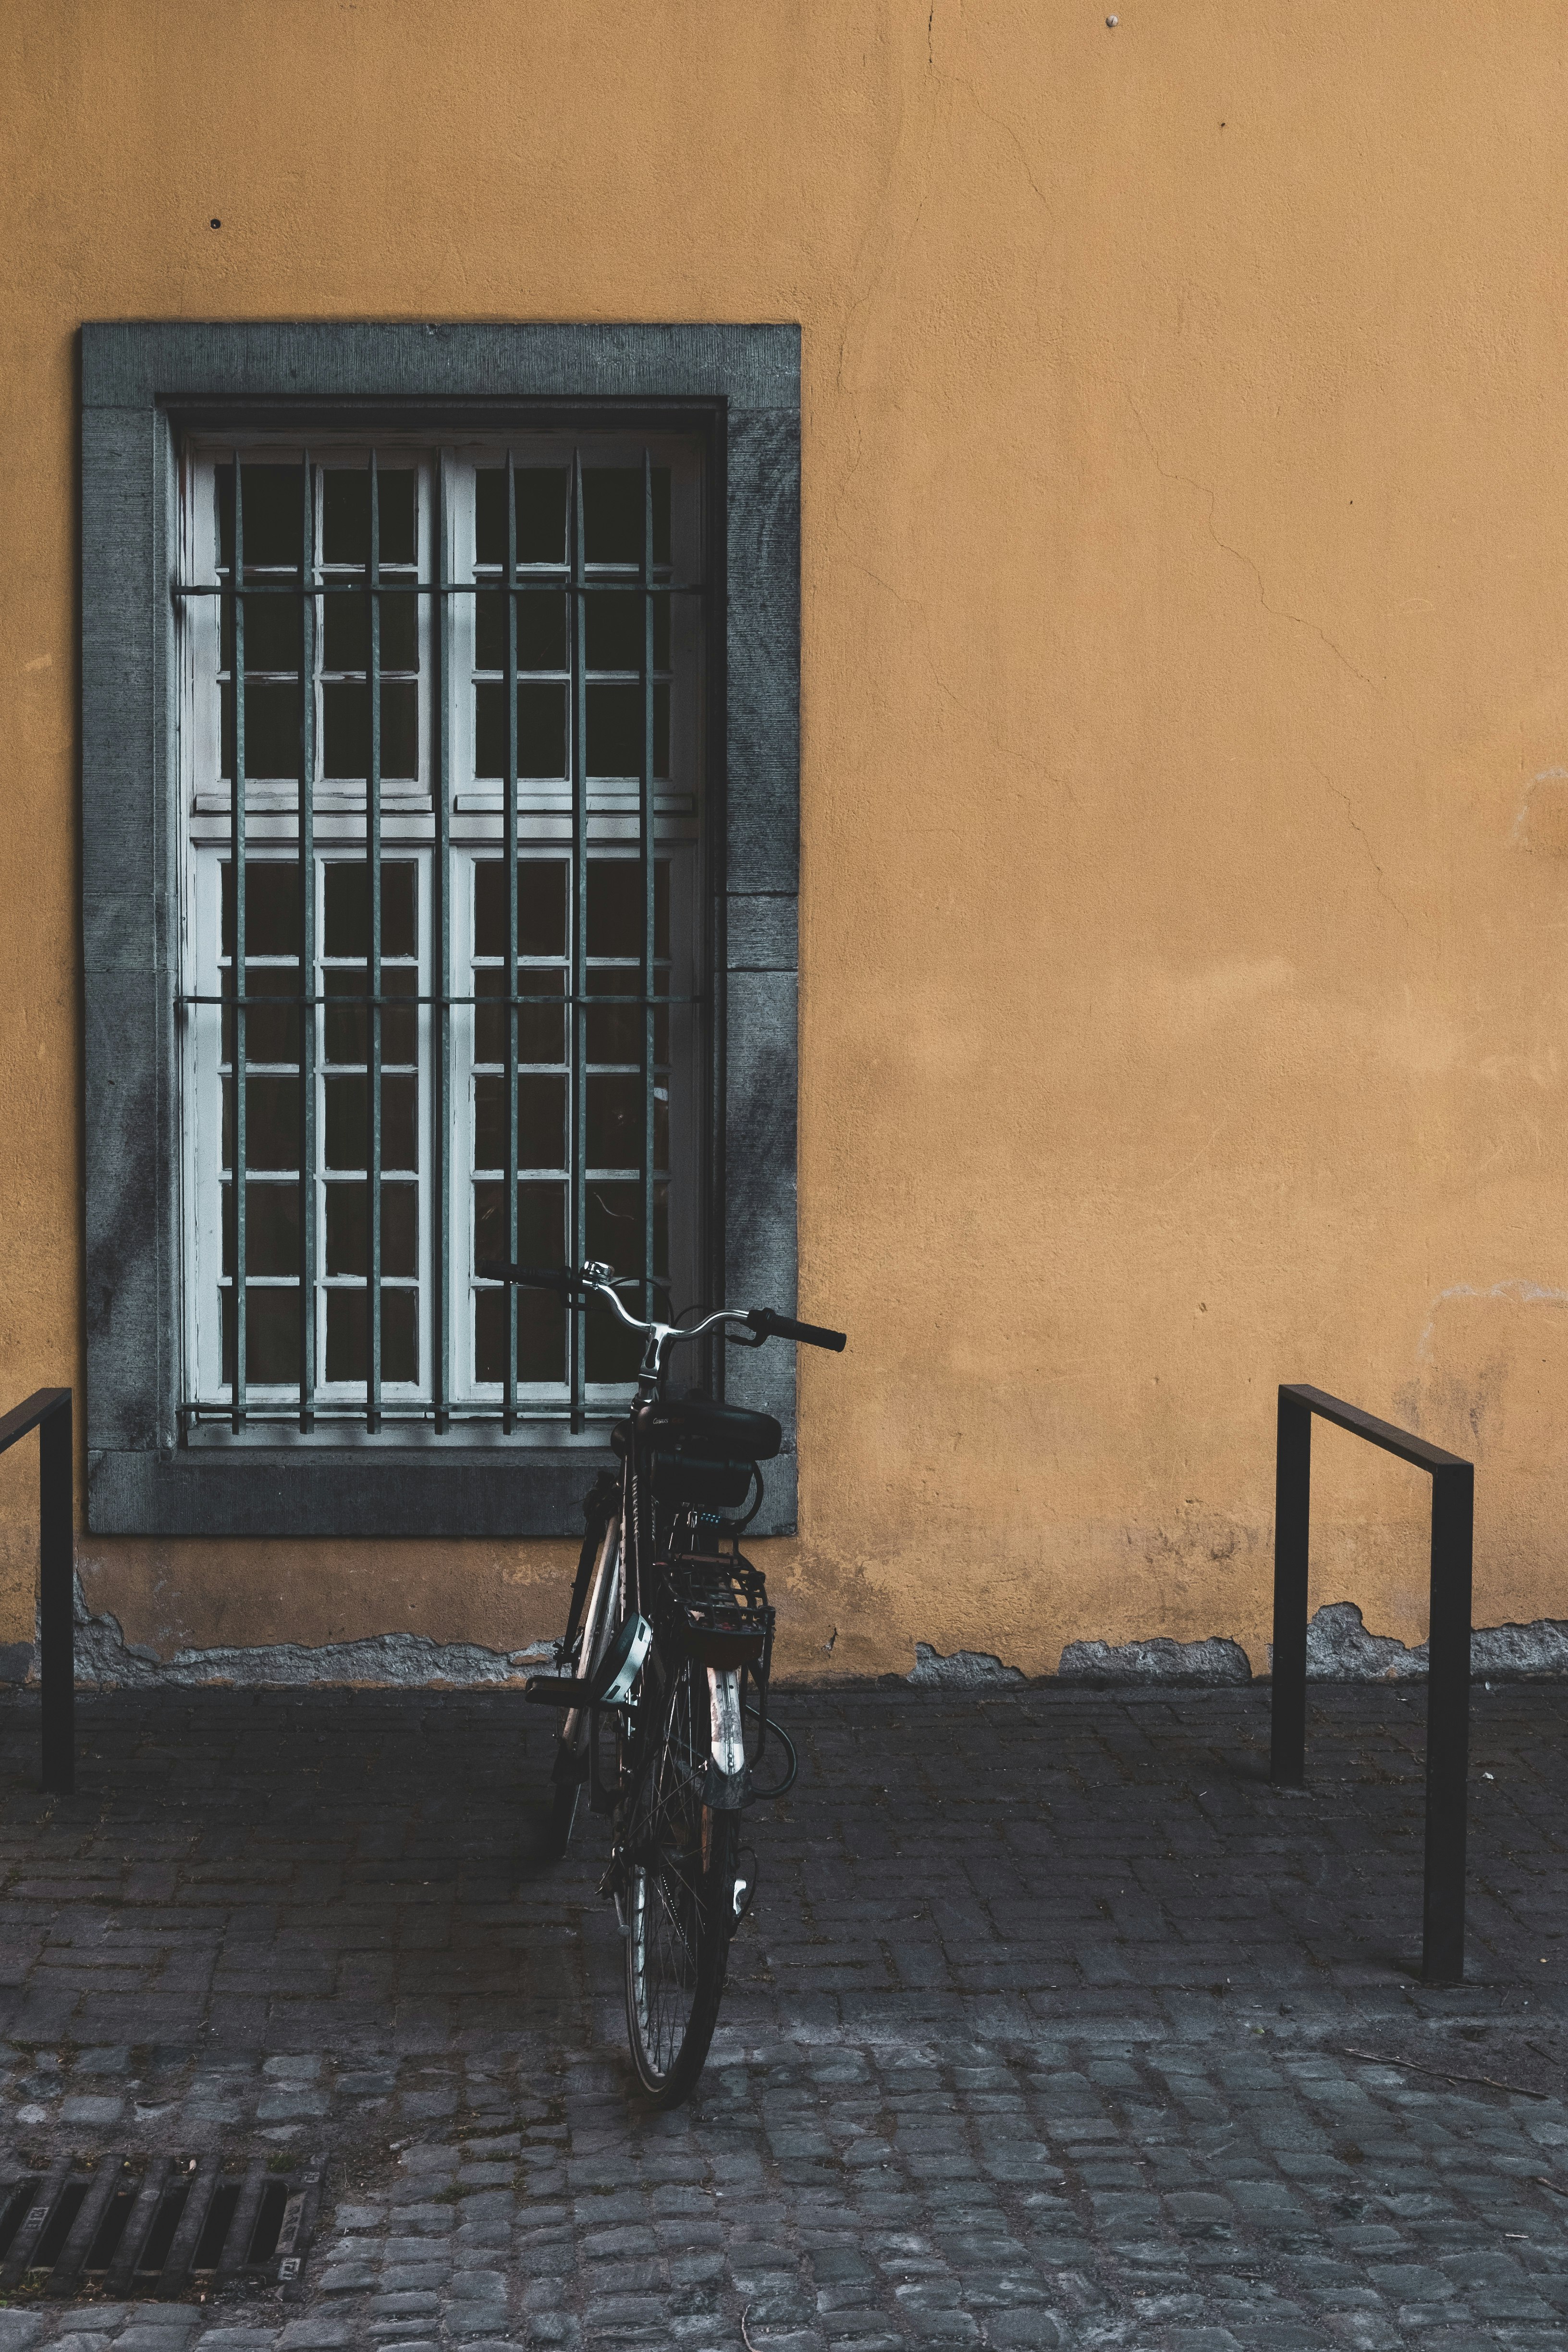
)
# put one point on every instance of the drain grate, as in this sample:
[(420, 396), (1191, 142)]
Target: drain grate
[(162, 2226)]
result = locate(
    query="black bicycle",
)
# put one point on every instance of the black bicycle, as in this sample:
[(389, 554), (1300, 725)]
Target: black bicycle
[(665, 1662)]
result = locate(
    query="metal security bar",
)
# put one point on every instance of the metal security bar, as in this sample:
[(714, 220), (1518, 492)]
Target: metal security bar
[(48, 1410), (288, 1004), (1448, 1684)]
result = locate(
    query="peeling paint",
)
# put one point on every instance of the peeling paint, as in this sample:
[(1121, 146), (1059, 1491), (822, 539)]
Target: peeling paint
[(1340, 1649), (963, 1670), (104, 1657), (1215, 1659)]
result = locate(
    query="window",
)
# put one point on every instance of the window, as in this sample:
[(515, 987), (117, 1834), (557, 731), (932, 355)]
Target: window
[(474, 1020), (439, 826)]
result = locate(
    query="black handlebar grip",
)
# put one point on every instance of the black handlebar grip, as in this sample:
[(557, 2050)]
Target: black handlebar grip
[(769, 1325)]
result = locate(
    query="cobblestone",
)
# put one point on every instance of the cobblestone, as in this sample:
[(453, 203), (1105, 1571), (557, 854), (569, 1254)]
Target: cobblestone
[(1041, 2035)]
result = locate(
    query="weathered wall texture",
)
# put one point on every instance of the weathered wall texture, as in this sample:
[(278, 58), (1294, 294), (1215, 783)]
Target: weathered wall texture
[(1186, 791)]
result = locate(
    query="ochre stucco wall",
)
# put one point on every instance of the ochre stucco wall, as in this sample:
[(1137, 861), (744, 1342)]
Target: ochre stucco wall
[(1185, 696)]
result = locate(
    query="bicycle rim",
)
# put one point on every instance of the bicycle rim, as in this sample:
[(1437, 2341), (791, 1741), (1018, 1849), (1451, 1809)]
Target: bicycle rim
[(677, 1928)]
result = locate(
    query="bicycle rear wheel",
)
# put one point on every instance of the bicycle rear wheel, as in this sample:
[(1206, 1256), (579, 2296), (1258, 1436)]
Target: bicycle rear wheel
[(680, 1900)]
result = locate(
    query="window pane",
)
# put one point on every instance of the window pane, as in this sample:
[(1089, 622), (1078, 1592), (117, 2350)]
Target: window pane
[(345, 1141), (271, 1229), (610, 1352), (346, 515), (272, 499), (615, 1031), (271, 1336), (613, 1226), (272, 640), (613, 514), (269, 1036), (348, 1229), (541, 730), (540, 1122), (541, 1336), (346, 633), (541, 514), (271, 733), (346, 910), (271, 1123), (541, 1028), (541, 1223), (615, 907), (541, 906), (613, 631), (271, 907), (345, 731), (348, 1352), (614, 1123)]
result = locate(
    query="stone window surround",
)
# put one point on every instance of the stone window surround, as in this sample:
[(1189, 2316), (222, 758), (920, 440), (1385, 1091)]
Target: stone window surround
[(141, 384)]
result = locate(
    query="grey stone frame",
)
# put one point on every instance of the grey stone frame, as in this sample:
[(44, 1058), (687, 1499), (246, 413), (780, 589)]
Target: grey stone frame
[(141, 385)]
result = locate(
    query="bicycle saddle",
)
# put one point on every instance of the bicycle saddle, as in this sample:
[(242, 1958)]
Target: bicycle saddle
[(693, 1424)]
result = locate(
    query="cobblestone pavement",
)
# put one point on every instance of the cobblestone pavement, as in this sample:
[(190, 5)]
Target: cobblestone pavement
[(1044, 2033)]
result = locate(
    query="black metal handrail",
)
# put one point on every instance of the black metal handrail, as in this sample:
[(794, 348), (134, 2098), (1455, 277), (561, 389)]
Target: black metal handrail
[(1449, 1668), (48, 1410)]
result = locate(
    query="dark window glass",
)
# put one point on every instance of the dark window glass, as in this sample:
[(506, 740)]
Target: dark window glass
[(541, 631), (615, 907), (345, 514), (346, 910), (541, 730), (345, 1141), (348, 1324), (613, 514), (613, 1226), (615, 731), (271, 1336), (348, 1229), (541, 906), (271, 1229), (272, 636), (273, 502), (541, 1223), (540, 1122), (271, 733), (541, 1336), (270, 1036), (613, 629), (614, 1123), (345, 643), (541, 1028), (271, 906), (345, 731), (271, 1123), (541, 514)]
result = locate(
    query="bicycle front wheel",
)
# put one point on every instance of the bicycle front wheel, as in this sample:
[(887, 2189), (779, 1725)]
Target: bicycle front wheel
[(680, 1900)]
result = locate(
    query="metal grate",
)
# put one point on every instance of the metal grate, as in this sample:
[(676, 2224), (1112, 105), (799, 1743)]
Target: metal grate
[(327, 1316), (164, 2227)]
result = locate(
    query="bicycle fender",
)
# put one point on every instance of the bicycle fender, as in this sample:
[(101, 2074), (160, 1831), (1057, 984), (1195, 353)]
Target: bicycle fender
[(728, 1782)]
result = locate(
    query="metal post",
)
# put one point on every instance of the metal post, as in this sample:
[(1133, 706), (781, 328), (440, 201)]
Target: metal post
[(1448, 1724), (1292, 1508), (57, 1666)]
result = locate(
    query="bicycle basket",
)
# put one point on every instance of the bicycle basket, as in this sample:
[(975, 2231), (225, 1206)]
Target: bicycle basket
[(717, 1610)]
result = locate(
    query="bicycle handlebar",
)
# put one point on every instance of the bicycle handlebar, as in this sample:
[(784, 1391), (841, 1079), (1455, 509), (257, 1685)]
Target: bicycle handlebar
[(769, 1325), (576, 1289)]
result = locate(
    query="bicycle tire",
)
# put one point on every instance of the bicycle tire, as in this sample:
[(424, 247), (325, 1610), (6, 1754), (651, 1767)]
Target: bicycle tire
[(679, 1892), (568, 1777)]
